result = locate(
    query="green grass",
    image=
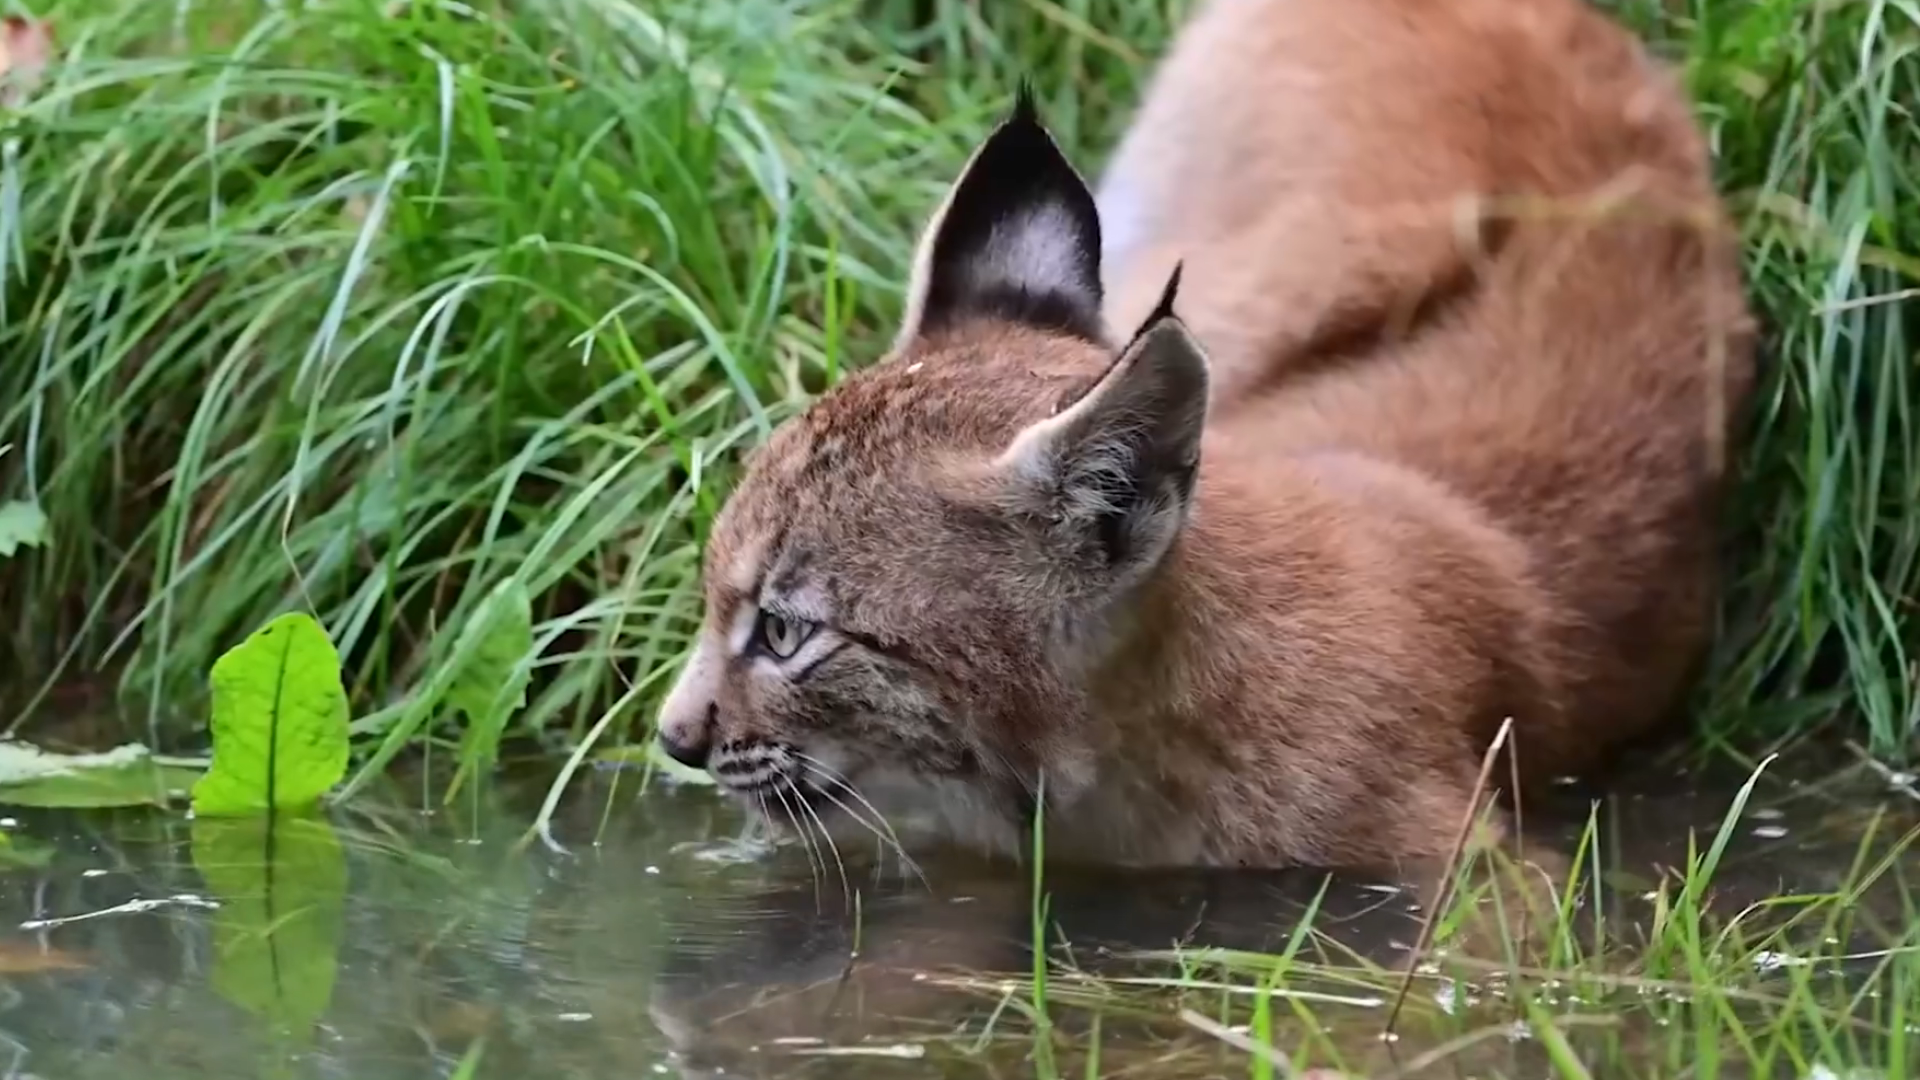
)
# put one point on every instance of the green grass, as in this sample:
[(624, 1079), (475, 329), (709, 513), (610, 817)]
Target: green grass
[(366, 307), (1673, 982)]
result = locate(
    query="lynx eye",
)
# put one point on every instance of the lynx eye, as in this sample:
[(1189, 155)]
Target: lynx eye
[(783, 636)]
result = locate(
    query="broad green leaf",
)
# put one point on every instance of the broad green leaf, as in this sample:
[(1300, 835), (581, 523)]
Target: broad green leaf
[(281, 880), (279, 721), (127, 776), (22, 524), (491, 683)]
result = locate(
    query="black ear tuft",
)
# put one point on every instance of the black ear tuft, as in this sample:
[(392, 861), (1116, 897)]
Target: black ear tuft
[(1164, 308), (1025, 106), (1018, 239)]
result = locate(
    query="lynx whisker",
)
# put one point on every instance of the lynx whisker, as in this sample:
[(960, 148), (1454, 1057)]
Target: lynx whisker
[(835, 777), (814, 864), (840, 865), (879, 827)]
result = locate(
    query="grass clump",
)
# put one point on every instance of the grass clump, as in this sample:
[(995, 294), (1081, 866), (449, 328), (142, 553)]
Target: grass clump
[(1611, 975), (365, 308)]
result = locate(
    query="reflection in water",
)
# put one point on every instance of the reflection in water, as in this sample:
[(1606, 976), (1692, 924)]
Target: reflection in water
[(796, 978), (394, 944)]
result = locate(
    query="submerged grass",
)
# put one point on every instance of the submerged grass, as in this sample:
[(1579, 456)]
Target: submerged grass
[(1669, 982), (366, 307)]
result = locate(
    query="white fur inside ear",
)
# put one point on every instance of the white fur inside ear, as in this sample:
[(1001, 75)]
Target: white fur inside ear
[(1057, 455), (1127, 435), (1037, 251), (1032, 457), (1077, 468)]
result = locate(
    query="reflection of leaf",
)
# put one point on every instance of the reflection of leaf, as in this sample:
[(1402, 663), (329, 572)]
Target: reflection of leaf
[(282, 899), (279, 721), (127, 776), (22, 524), (15, 855), (492, 679)]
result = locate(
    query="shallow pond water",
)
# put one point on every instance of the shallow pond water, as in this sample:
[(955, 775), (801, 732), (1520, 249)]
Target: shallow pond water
[(390, 943)]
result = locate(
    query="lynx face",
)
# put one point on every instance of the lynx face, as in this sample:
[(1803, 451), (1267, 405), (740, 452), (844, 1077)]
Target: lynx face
[(915, 580)]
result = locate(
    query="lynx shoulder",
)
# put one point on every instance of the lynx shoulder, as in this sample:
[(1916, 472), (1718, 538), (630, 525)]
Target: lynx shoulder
[(1381, 393)]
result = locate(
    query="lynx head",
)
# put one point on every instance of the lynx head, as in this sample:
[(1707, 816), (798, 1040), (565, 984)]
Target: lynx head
[(915, 580)]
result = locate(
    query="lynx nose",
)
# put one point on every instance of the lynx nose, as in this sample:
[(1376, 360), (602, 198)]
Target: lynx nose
[(690, 744)]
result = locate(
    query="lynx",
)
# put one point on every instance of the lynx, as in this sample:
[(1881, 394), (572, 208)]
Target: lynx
[(1381, 396)]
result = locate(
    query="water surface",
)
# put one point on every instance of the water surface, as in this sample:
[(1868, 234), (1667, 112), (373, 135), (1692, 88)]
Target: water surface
[(385, 942)]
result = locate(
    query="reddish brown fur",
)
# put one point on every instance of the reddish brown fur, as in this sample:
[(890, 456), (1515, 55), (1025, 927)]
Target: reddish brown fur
[(1461, 463)]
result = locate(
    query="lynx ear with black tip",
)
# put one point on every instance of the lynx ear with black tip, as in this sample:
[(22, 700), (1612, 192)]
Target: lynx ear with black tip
[(1114, 472), (1163, 308), (1017, 239)]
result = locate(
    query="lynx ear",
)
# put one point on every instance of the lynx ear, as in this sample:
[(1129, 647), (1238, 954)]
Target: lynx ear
[(1114, 471), (1018, 239)]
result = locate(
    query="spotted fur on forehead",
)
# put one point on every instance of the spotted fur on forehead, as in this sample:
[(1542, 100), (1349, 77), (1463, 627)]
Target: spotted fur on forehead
[(968, 393)]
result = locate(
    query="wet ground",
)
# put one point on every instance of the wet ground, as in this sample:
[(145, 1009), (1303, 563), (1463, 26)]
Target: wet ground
[(387, 943)]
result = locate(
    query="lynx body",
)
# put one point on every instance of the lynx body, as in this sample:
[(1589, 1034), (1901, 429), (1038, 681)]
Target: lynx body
[(1382, 394)]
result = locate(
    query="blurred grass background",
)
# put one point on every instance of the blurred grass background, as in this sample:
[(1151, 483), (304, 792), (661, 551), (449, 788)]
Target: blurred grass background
[(364, 306)]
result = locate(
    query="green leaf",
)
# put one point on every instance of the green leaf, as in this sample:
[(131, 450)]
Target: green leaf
[(281, 880), (491, 681), (21, 524), (127, 776), (279, 721)]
